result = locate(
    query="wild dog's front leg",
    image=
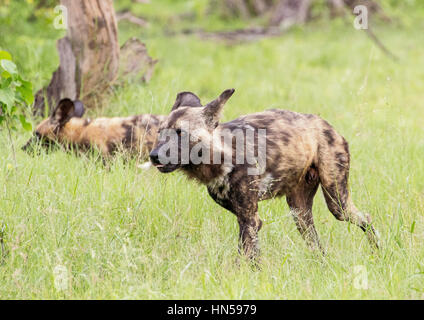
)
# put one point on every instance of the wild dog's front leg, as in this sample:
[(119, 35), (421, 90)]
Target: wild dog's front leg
[(300, 201), (249, 224), (240, 197), (245, 206)]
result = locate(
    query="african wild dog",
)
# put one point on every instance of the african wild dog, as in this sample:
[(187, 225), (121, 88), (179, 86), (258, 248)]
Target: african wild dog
[(135, 134), (302, 151)]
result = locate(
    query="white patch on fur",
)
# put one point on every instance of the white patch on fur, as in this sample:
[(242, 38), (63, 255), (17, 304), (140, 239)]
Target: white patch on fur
[(248, 126), (221, 181), (265, 184)]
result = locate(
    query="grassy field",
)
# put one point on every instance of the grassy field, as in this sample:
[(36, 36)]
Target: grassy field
[(72, 229)]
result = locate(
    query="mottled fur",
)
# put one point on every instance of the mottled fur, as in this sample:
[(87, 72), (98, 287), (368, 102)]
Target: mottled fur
[(302, 152), (134, 135)]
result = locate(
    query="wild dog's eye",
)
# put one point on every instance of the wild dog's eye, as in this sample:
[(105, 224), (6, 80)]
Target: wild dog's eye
[(38, 135), (178, 131)]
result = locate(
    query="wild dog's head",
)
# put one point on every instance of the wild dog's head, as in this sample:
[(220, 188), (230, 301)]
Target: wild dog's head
[(187, 131), (48, 131)]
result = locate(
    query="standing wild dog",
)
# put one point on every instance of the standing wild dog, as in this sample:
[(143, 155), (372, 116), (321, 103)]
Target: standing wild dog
[(135, 135), (302, 151)]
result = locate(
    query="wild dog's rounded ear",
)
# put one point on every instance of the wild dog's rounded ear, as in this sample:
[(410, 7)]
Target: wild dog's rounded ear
[(79, 109), (212, 110), (63, 112), (186, 99)]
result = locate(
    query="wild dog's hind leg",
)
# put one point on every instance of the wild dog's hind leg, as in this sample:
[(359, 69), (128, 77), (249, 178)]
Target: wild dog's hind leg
[(300, 201), (342, 207), (334, 174)]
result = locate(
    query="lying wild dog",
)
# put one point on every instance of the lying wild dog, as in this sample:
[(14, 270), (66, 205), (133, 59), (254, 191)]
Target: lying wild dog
[(302, 151), (135, 135)]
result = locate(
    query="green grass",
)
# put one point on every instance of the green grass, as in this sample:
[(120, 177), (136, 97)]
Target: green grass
[(125, 233)]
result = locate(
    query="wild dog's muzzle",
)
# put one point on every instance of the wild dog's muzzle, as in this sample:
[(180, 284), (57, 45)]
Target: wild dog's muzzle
[(35, 144), (30, 144), (164, 168)]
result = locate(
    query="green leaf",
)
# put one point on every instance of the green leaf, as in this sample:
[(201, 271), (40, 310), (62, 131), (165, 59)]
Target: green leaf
[(5, 83), (6, 75), (7, 96), (4, 55), (9, 66), (25, 124), (26, 91)]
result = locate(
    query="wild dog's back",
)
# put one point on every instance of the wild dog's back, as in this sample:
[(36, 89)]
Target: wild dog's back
[(134, 134), (295, 142)]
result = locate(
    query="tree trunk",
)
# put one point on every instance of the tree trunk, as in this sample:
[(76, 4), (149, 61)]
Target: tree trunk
[(290, 12), (89, 54)]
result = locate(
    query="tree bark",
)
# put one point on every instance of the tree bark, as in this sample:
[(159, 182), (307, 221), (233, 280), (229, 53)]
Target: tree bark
[(89, 54)]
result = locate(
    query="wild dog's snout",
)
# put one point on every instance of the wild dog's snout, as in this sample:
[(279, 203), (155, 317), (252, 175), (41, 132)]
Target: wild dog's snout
[(26, 146), (158, 161), (31, 143)]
